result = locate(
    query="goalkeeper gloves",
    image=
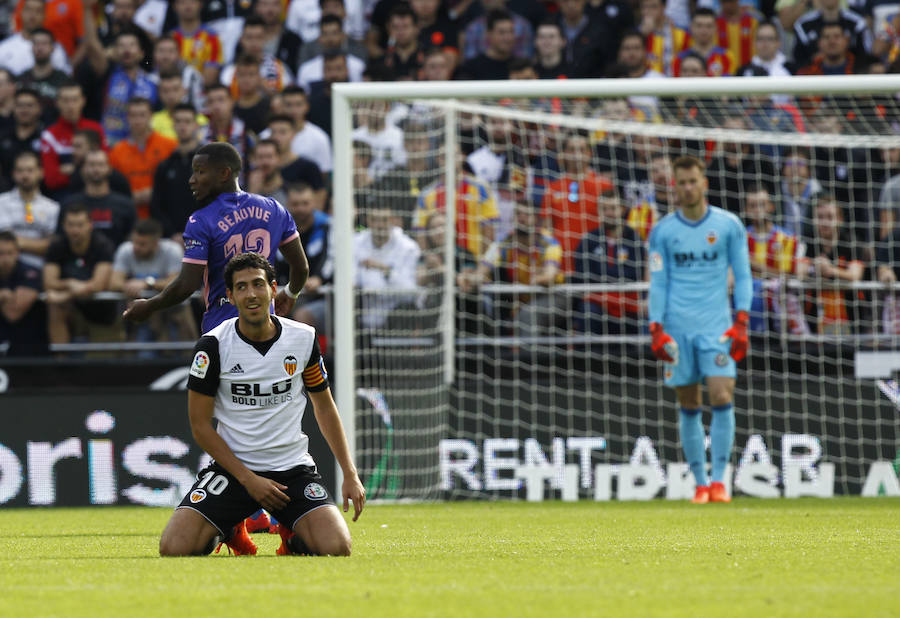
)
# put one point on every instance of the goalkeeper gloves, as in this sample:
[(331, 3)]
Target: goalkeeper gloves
[(663, 346), (738, 335)]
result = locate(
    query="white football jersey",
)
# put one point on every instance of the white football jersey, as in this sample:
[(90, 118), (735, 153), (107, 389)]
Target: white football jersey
[(260, 390)]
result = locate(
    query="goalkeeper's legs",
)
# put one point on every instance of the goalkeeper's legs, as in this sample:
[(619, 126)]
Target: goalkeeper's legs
[(693, 438), (721, 436), (692, 442), (721, 433)]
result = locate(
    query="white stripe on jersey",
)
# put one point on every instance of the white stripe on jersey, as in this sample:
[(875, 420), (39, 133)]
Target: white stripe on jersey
[(261, 399)]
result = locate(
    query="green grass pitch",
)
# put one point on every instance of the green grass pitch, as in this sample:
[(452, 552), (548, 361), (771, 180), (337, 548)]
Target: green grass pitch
[(806, 557)]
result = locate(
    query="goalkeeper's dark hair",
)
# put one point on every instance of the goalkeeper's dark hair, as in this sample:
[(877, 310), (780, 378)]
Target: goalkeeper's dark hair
[(688, 162), (243, 261), (223, 154)]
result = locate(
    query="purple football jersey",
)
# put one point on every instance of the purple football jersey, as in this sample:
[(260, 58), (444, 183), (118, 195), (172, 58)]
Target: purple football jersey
[(233, 223)]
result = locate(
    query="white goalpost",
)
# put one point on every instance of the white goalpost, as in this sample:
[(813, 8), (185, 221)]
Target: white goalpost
[(447, 390)]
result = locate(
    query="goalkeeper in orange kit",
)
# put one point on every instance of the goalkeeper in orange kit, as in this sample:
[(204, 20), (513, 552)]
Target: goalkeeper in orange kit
[(691, 323)]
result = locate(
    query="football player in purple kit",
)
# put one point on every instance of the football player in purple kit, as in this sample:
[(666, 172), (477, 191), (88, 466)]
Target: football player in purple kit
[(229, 221)]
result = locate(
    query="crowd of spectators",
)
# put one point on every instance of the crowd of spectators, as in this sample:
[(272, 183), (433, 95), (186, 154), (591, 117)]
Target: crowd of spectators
[(102, 105)]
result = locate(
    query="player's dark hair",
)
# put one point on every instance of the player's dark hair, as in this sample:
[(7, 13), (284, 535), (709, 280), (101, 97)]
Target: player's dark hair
[(222, 154), (703, 12), (243, 261), (148, 227), (8, 236), (688, 162)]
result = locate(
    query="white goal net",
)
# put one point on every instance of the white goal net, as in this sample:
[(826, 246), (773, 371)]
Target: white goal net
[(490, 296)]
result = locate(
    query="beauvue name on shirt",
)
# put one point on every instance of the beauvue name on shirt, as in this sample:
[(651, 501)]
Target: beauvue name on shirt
[(248, 212)]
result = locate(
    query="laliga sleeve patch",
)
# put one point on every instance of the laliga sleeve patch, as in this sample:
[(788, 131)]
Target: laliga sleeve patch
[(656, 262), (314, 491), (200, 365)]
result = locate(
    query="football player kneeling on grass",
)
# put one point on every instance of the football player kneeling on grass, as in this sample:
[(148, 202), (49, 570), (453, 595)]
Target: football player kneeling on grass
[(254, 373)]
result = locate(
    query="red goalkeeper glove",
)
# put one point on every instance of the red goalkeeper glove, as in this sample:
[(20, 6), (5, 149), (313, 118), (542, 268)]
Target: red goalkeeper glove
[(738, 335), (663, 346)]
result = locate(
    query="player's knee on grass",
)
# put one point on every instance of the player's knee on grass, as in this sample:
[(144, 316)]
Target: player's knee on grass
[(331, 543), (173, 545), (325, 532)]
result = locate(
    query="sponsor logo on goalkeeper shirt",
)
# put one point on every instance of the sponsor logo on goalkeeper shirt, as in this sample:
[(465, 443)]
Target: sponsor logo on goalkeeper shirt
[(691, 258), (314, 491)]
